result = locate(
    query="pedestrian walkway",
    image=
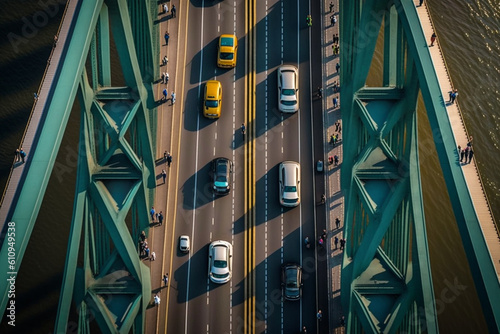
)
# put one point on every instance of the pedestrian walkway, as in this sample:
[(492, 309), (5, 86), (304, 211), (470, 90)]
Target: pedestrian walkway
[(470, 170), (28, 142), (333, 127)]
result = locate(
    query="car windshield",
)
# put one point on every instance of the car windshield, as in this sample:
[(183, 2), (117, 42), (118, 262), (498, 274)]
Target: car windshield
[(288, 92), (220, 264), (288, 103), (221, 178), (290, 189), (212, 103), (226, 55), (226, 41)]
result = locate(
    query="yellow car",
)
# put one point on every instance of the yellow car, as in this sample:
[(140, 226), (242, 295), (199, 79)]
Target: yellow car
[(227, 50), (213, 99)]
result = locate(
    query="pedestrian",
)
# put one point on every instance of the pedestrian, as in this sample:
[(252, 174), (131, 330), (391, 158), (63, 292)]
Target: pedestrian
[(165, 94), (320, 92), (335, 86), (35, 96), (304, 330), (169, 159), (454, 95), (324, 234), (340, 128), (336, 160), (330, 160), (143, 236), (471, 154), (333, 20), (165, 60), (323, 198), (462, 154), (165, 8), (321, 241), (163, 175), (342, 319), (163, 78), (336, 241), (335, 140), (342, 244), (152, 213), (421, 2), (335, 102), (319, 315), (22, 154), (153, 256), (337, 222), (331, 7), (469, 143), (165, 279), (147, 251), (160, 218), (433, 38), (337, 67), (165, 156), (17, 155), (167, 36), (157, 300), (172, 98), (167, 76), (174, 10), (332, 139)]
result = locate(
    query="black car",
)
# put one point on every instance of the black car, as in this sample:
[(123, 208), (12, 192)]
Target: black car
[(222, 175), (291, 281)]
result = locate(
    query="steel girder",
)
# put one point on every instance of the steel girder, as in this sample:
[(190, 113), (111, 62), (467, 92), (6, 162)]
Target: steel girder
[(386, 278), (106, 280)]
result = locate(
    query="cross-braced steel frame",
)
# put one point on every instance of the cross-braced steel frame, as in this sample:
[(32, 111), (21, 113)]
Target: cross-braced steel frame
[(386, 276), (105, 279)]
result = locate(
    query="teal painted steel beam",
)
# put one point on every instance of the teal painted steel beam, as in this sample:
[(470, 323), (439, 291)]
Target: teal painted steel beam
[(384, 286), (480, 263), (41, 159), (104, 73)]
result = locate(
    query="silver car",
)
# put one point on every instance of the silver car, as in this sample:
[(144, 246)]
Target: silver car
[(288, 88), (220, 261), (289, 174), (184, 243)]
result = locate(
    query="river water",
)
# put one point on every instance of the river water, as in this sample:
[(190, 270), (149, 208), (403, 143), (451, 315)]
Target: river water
[(469, 32)]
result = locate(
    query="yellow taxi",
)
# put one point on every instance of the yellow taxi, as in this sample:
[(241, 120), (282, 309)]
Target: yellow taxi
[(213, 99), (227, 50)]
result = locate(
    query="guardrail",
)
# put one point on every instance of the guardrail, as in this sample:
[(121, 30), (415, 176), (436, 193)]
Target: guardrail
[(35, 101), (462, 117)]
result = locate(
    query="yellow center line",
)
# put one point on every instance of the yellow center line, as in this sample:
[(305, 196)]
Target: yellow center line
[(250, 22)]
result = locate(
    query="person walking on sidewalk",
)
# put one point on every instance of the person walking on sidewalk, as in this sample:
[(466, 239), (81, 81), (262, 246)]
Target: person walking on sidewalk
[(337, 222), (174, 10), (22, 154), (433, 39), (167, 36), (336, 241), (319, 315), (165, 94), (165, 279), (152, 214), (331, 7), (160, 218), (163, 175), (169, 159), (172, 97)]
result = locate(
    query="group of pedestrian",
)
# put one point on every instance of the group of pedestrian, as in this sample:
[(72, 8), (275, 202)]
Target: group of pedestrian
[(467, 153), (336, 49), (333, 160), (20, 155), (334, 139), (172, 11), (144, 250), (335, 38), (342, 241)]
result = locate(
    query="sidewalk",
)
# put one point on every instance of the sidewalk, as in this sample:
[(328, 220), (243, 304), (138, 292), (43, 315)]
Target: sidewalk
[(335, 197), (157, 235)]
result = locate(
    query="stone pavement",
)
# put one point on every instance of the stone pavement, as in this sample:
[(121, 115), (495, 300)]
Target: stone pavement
[(335, 196)]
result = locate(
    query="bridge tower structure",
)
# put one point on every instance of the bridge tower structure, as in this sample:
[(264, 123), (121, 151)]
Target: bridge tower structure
[(105, 282), (386, 280)]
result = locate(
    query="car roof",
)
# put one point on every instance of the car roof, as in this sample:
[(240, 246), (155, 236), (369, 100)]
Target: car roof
[(291, 175)]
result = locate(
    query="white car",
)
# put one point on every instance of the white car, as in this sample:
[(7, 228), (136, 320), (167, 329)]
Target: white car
[(288, 88), (184, 243), (289, 183), (220, 261)]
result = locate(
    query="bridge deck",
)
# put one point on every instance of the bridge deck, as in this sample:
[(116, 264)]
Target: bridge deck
[(37, 115), (470, 171)]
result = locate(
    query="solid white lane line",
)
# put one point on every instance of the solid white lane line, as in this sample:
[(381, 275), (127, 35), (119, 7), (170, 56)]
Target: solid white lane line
[(299, 115), (195, 174)]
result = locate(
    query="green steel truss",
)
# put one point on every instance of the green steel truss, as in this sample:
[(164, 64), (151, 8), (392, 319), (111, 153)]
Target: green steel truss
[(386, 276), (105, 279)]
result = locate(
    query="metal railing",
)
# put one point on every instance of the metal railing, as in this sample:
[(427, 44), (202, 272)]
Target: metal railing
[(426, 4), (35, 101)]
